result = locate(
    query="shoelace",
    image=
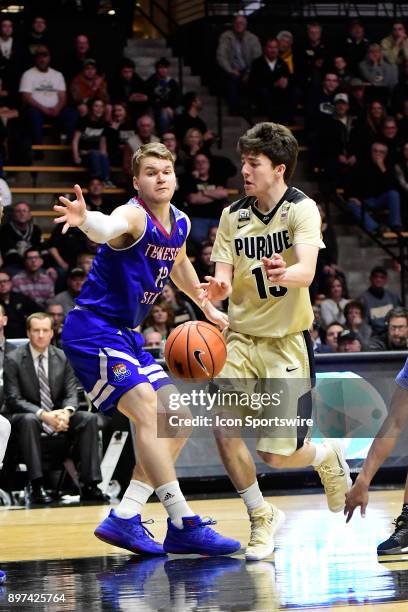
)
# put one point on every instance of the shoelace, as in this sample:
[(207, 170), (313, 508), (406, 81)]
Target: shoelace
[(145, 529), (400, 522), (258, 525), (326, 473)]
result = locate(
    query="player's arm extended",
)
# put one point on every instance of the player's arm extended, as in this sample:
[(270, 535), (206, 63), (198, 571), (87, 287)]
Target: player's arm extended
[(300, 274), (380, 449), (185, 278), (99, 227)]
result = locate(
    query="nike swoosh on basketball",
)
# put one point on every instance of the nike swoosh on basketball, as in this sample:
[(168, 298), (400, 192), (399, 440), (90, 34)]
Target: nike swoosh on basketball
[(197, 355), (290, 369)]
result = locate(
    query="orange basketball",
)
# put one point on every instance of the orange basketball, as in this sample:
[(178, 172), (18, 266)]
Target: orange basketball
[(195, 350)]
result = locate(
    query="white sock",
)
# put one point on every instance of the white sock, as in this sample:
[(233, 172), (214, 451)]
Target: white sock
[(134, 498), (321, 454), (174, 502), (252, 496)]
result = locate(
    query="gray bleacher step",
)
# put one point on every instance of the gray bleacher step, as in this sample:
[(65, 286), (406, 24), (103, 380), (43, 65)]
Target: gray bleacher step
[(146, 43)]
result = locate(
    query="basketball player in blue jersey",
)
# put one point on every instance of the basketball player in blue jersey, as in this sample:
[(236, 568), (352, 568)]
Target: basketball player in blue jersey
[(380, 449), (143, 245)]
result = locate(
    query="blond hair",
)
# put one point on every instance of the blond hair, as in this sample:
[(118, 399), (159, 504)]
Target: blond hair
[(152, 149), (38, 315)]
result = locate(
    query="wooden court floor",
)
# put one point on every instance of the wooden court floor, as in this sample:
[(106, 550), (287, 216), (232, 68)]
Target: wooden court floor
[(319, 562)]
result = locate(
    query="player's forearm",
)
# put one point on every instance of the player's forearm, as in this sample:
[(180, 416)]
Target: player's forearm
[(298, 275), (185, 278), (224, 272), (101, 228), (379, 451)]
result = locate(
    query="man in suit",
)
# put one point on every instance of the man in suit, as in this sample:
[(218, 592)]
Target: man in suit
[(41, 395), (270, 84)]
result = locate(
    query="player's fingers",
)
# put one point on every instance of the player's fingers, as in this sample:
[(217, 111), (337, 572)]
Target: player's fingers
[(65, 228), (363, 510), (60, 219), (349, 515), (202, 286), (65, 201), (78, 193)]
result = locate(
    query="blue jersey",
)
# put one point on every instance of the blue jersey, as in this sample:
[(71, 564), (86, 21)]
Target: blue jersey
[(123, 284)]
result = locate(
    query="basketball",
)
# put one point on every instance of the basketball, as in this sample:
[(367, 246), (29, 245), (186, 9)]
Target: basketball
[(195, 350)]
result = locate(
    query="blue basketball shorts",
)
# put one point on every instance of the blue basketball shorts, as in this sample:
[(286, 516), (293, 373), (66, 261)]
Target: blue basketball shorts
[(402, 377), (108, 360)]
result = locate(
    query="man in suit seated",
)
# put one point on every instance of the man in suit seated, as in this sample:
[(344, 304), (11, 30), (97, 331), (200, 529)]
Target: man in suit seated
[(41, 395)]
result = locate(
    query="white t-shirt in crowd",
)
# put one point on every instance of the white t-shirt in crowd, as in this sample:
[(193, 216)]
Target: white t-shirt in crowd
[(43, 85), (5, 193)]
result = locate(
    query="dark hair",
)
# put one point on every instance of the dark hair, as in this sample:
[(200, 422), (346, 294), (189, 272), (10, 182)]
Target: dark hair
[(163, 61), (31, 250), (273, 140), (354, 304), (188, 99), (330, 282), (399, 311), (127, 63)]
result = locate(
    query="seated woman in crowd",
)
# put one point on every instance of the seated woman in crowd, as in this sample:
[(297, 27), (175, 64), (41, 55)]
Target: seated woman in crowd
[(89, 142), (119, 131), (332, 308), (354, 313), (160, 319), (183, 310)]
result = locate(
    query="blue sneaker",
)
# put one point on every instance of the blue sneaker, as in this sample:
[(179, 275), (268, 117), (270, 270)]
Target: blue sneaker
[(2, 577), (130, 534), (197, 538)]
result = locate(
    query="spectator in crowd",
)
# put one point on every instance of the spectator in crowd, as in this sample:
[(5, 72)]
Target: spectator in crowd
[(319, 106), (376, 71), (193, 143), (332, 308), (130, 88), (95, 199), (56, 312), (164, 95), (269, 84), (80, 52), (348, 342), (121, 129), (401, 173), (357, 90), (400, 92), (189, 118), (182, 309), (237, 49), (403, 122), (342, 70), (18, 234), (89, 142), (205, 195), (391, 138), (11, 55), (37, 36), (5, 347), (160, 319), (395, 336), (153, 339), (311, 57), (203, 264), (367, 131), (374, 185), (32, 282), (145, 133), (327, 266), (41, 395), (17, 307), (285, 40), (330, 337), (88, 85), (65, 248), (378, 301), (43, 94), (211, 234), (355, 46), (335, 137), (5, 195), (180, 157), (85, 261), (395, 45), (75, 280), (355, 321)]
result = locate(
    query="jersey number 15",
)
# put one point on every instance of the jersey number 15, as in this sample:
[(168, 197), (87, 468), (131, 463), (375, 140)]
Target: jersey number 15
[(275, 290)]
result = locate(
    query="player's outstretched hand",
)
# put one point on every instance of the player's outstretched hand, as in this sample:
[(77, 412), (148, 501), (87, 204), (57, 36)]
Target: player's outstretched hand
[(216, 316), (275, 268), (72, 213), (214, 289), (357, 496)]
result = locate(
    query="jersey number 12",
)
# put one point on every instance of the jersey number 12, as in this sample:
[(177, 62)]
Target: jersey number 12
[(275, 290)]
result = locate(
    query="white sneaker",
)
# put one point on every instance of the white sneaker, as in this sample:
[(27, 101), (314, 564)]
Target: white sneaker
[(334, 473), (265, 522)]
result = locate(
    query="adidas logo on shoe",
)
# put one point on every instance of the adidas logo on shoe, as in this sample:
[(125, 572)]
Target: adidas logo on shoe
[(168, 496)]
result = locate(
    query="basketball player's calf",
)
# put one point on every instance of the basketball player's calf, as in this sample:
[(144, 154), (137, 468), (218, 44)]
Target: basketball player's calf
[(187, 533)]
